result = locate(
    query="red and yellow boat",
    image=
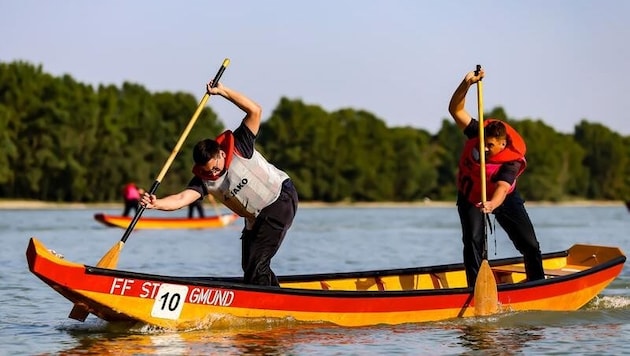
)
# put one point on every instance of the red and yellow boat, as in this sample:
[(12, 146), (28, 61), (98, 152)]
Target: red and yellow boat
[(210, 222), (411, 295)]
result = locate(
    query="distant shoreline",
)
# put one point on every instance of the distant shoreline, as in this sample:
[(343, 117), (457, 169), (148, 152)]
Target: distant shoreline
[(35, 204)]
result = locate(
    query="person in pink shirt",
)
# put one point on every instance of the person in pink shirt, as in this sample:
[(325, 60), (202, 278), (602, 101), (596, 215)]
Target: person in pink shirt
[(131, 195)]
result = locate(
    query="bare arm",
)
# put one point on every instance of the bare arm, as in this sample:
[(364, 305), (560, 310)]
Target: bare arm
[(170, 202), (458, 101), (253, 111)]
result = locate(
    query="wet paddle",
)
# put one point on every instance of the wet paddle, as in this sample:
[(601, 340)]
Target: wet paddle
[(485, 295), (110, 259)]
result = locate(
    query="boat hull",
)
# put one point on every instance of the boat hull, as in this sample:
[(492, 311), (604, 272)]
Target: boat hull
[(211, 222), (399, 296)]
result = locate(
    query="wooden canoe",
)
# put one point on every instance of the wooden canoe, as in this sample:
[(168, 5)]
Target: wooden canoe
[(410, 295), (209, 222)]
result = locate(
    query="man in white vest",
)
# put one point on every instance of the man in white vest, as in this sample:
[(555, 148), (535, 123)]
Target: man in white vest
[(232, 171)]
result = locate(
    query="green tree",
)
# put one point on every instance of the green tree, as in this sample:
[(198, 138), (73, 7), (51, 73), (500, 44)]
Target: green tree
[(450, 143), (416, 157), (605, 158), (554, 167), (62, 140)]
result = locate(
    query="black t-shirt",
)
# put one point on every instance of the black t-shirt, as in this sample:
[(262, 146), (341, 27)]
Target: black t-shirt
[(508, 170)]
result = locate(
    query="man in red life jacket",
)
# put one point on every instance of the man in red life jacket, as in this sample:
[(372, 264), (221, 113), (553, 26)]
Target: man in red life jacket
[(505, 161), (235, 173)]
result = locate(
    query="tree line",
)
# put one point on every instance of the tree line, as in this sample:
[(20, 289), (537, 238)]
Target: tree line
[(66, 141)]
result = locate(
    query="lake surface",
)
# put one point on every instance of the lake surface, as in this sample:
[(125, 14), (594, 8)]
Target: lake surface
[(34, 317)]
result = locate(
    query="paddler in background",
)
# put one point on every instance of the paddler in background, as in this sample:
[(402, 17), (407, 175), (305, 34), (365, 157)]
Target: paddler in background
[(131, 196), (505, 162)]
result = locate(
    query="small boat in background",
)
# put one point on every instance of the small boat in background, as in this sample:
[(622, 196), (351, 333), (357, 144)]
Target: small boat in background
[(210, 222), (628, 205)]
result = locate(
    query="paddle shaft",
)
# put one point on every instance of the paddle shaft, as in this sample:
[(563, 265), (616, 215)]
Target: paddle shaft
[(178, 146), (482, 146), (485, 292), (482, 155)]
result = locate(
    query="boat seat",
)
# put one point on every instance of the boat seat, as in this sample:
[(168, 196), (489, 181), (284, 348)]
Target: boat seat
[(548, 272)]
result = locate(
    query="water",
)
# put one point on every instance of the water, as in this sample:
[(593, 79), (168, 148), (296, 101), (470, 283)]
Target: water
[(34, 317)]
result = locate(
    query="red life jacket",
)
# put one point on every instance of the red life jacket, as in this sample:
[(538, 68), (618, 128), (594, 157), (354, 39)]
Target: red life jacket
[(469, 175)]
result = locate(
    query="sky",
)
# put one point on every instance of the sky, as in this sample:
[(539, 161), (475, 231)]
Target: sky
[(559, 61)]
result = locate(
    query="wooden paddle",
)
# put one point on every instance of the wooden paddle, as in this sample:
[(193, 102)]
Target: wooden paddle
[(110, 259), (485, 295)]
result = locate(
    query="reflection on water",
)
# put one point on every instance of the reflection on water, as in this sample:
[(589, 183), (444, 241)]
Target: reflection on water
[(269, 340), (494, 340), (504, 334)]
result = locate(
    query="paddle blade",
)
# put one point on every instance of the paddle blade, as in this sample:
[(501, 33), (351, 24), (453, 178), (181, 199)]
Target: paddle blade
[(78, 312), (110, 260), (486, 295)]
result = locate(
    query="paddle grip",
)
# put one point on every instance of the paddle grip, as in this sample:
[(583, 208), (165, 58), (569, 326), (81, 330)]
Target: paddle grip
[(215, 81), (154, 187)]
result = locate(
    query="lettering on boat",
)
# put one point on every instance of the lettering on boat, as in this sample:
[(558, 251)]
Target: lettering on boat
[(169, 299), (211, 296), (157, 290), (124, 286), (149, 289), (121, 285)]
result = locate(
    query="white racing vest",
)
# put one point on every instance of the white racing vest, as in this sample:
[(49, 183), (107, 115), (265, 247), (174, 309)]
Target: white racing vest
[(248, 185)]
